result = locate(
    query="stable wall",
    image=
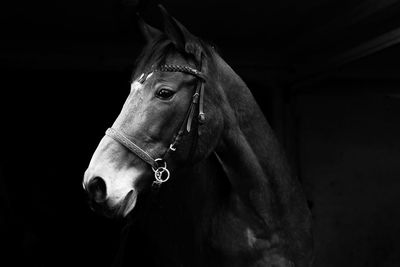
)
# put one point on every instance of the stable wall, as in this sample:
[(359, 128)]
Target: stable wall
[(349, 163)]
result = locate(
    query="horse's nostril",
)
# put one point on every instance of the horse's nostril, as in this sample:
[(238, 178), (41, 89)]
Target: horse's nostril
[(97, 189)]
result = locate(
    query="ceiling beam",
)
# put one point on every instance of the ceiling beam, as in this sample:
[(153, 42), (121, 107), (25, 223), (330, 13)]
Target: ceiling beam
[(347, 18), (320, 71)]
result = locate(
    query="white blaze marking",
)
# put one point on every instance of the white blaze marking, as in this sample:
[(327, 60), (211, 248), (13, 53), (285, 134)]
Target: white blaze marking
[(135, 86)]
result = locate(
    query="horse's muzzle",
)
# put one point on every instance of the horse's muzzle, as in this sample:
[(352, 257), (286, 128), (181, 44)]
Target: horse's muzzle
[(100, 203)]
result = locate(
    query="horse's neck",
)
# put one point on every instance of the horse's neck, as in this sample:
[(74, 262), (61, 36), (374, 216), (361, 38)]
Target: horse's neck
[(249, 165), (180, 215), (249, 152)]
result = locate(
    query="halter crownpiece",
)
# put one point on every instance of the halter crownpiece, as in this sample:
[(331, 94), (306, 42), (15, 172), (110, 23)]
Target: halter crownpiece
[(159, 165)]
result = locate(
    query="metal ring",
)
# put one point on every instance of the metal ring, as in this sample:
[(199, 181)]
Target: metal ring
[(159, 159), (158, 174)]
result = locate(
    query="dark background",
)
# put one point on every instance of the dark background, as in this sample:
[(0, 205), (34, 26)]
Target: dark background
[(325, 72)]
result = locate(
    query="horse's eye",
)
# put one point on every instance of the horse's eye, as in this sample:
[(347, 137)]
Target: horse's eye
[(164, 93)]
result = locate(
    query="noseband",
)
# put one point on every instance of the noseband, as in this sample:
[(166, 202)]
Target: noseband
[(159, 165)]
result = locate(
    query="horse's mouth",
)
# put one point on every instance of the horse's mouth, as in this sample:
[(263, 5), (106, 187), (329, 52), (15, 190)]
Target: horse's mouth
[(127, 204), (122, 209)]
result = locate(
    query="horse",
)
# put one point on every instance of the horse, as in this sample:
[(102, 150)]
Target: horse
[(192, 151)]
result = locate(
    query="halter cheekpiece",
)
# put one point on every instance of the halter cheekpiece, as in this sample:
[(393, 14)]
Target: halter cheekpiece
[(159, 165)]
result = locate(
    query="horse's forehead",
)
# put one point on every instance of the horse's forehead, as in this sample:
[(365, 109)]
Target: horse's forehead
[(136, 86), (177, 59)]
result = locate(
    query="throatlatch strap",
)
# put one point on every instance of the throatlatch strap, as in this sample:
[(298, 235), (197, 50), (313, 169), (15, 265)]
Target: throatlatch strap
[(202, 116), (121, 138)]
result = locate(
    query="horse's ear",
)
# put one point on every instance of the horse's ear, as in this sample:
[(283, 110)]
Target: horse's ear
[(150, 33), (180, 36)]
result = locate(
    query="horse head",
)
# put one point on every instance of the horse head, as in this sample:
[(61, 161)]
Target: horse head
[(168, 120), (191, 126)]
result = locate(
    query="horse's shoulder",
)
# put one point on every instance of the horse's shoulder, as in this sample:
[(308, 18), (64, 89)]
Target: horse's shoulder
[(237, 231)]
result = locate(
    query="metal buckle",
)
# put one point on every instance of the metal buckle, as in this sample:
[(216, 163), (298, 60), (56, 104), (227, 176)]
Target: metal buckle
[(171, 147)]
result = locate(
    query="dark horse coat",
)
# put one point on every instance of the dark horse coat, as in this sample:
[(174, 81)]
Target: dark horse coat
[(232, 199)]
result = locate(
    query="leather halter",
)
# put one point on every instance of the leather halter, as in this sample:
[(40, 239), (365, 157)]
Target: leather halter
[(159, 165)]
